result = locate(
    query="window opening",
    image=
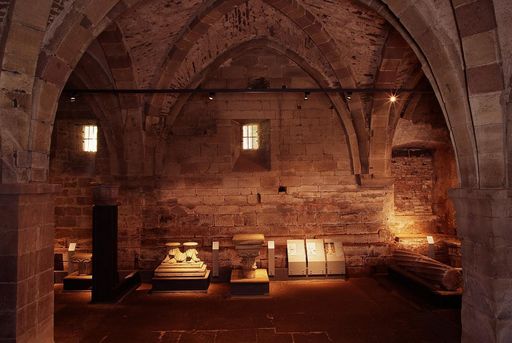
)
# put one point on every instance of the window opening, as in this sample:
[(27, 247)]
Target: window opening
[(251, 140), (90, 138)]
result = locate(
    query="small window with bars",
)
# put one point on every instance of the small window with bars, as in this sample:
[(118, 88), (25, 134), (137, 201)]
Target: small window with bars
[(90, 138), (250, 137)]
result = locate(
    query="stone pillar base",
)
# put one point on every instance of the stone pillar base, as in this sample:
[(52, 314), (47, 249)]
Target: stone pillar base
[(484, 222), (26, 258)]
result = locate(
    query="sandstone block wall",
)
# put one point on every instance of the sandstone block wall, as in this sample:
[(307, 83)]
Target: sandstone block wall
[(413, 183), (76, 171), (307, 189), (26, 256), (421, 207), (421, 180)]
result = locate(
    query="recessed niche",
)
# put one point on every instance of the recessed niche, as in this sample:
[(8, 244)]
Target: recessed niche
[(253, 157)]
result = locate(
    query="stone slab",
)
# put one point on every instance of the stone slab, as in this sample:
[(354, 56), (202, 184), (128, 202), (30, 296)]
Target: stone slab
[(182, 266), (248, 239), (190, 273), (163, 284), (259, 285), (75, 282)]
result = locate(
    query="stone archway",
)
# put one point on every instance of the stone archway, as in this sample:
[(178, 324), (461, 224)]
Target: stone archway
[(478, 131), (78, 35), (242, 48)]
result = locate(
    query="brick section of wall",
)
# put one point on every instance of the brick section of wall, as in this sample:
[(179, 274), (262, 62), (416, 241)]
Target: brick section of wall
[(422, 181), (413, 184)]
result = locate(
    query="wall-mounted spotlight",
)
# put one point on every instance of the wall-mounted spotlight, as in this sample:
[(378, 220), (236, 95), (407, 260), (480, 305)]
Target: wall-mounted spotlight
[(306, 95), (211, 96), (393, 98), (348, 96)]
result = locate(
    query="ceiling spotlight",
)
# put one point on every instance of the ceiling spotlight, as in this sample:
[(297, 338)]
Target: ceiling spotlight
[(306, 95), (72, 97), (393, 98), (211, 96)]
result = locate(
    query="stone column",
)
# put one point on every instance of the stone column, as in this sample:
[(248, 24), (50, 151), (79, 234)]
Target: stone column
[(484, 224), (26, 262)]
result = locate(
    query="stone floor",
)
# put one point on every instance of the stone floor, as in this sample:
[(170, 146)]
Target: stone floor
[(376, 309)]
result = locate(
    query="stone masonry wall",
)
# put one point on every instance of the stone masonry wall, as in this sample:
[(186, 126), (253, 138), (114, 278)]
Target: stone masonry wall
[(422, 179), (413, 177), (202, 197), (202, 194), (76, 171), (421, 182)]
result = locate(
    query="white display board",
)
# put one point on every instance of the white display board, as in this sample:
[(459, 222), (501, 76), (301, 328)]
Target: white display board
[(215, 258), (315, 256), (271, 258), (296, 257), (335, 256), (72, 247)]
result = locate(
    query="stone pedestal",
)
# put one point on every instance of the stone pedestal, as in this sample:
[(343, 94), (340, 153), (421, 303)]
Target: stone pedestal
[(249, 280), (181, 271), (81, 279), (26, 258), (484, 224), (257, 285)]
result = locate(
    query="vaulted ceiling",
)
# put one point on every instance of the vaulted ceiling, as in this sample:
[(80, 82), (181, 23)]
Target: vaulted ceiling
[(175, 44), (169, 41)]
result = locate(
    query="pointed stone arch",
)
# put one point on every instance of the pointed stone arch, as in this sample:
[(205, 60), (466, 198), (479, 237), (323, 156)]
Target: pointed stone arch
[(336, 100), (303, 20)]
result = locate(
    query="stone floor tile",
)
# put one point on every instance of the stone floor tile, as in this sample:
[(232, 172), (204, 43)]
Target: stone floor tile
[(237, 336), (197, 337)]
